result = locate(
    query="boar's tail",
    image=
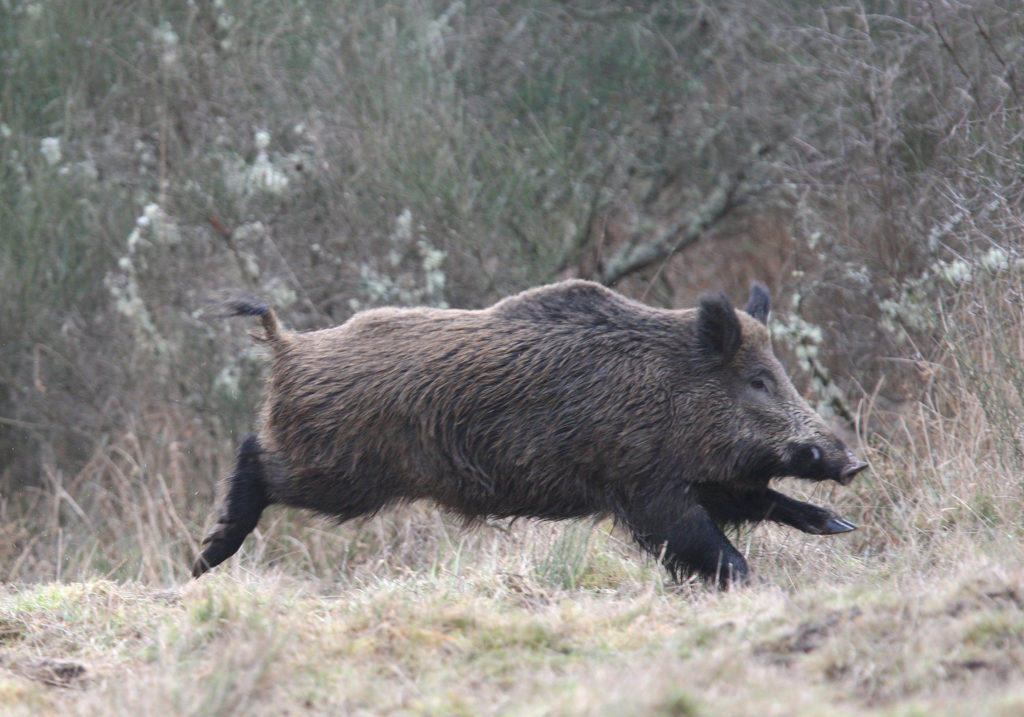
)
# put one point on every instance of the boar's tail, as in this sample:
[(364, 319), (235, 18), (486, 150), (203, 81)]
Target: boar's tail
[(252, 306)]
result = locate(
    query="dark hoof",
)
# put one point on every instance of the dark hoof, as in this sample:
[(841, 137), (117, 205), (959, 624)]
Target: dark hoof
[(200, 566), (223, 541), (731, 575), (837, 525)]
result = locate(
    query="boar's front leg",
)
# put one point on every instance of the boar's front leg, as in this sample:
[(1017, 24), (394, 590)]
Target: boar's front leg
[(680, 531), (803, 516), (743, 506)]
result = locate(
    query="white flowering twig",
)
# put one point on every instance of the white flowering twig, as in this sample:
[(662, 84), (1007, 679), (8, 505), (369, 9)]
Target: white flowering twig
[(420, 285)]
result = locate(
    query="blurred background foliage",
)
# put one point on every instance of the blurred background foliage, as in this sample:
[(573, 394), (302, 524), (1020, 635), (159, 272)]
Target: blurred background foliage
[(864, 159)]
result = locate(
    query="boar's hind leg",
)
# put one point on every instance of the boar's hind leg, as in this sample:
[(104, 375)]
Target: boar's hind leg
[(754, 506), (689, 542), (245, 500)]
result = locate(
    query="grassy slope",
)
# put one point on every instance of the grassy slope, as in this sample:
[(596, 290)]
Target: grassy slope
[(483, 631)]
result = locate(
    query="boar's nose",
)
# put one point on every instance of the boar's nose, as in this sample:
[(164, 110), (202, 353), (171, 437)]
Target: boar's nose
[(852, 468)]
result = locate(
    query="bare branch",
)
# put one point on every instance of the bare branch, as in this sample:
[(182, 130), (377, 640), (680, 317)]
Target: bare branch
[(1007, 68), (679, 235), (585, 235), (952, 53)]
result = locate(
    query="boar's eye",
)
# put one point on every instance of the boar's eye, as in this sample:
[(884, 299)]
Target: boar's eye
[(760, 381)]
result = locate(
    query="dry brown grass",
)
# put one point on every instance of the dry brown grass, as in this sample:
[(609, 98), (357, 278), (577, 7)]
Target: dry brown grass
[(920, 612), (486, 642)]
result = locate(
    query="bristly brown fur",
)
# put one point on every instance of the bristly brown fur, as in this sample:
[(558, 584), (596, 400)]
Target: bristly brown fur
[(563, 401)]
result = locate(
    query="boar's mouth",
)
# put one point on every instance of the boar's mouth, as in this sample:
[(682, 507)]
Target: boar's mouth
[(852, 468)]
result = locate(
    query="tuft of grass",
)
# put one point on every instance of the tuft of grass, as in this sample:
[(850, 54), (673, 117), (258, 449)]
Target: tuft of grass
[(564, 564)]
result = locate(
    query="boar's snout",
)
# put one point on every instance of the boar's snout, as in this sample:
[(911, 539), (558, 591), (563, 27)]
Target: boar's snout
[(824, 461), (853, 467)]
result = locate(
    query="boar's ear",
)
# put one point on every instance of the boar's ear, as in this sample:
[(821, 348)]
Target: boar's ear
[(718, 328), (759, 303)]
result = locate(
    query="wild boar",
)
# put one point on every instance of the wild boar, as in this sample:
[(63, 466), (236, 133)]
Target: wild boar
[(563, 401)]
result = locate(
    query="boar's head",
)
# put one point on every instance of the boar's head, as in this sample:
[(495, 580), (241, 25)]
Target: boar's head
[(759, 425)]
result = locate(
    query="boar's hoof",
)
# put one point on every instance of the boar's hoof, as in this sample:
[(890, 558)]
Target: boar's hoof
[(837, 525), (223, 541)]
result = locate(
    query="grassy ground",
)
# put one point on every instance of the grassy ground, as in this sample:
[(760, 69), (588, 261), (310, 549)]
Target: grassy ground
[(477, 639)]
